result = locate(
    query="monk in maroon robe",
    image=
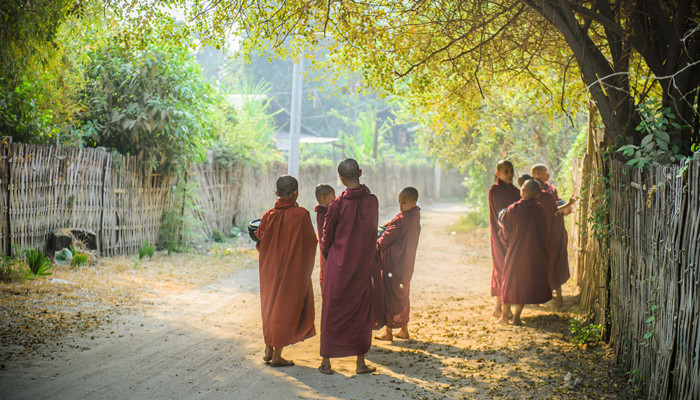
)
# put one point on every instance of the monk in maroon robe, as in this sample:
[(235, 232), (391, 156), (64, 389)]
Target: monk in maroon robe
[(558, 239), (525, 273), (501, 195), (397, 248), (349, 244), (287, 251), (324, 195)]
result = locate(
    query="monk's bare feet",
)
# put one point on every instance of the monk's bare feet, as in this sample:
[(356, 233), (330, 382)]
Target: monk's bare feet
[(497, 311), (362, 367), (281, 363), (268, 354), (558, 303), (325, 367), (517, 321), (366, 369), (403, 333), (503, 321), (386, 336)]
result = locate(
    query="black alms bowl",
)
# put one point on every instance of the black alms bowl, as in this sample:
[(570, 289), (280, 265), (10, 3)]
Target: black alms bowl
[(252, 227)]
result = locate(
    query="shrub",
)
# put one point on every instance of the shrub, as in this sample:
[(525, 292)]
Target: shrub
[(79, 260), (38, 262)]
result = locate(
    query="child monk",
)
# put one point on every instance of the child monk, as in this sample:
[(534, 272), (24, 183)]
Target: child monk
[(397, 248), (501, 195), (324, 195), (287, 250), (559, 260), (525, 233), (349, 245)]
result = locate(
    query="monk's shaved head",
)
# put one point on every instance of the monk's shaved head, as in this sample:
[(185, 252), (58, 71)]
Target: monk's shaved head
[(502, 164), (286, 185), (537, 168), (349, 169), (531, 189), (323, 190), (523, 178), (410, 193)]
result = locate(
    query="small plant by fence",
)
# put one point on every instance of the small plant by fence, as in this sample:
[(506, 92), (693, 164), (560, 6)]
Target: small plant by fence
[(122, 201), (637, 260)]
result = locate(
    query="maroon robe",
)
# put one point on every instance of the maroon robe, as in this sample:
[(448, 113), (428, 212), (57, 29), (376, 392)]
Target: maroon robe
[(349, 245), (397, 247), (558, 242), (320, 219), (525, 273), (287, 250), (501, 195)]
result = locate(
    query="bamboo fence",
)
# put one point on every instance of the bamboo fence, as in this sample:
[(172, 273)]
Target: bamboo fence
[(637, 267), (44, 189), (654, 285)]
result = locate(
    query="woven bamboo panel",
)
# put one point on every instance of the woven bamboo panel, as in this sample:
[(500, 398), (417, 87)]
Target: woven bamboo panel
[(136, 202), (4, 196), (52, 188), (218, 191)]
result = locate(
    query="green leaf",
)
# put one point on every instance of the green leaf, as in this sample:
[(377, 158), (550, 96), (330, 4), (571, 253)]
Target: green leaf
[(663, 136), (647, 139), (650, 319), (648, 335)]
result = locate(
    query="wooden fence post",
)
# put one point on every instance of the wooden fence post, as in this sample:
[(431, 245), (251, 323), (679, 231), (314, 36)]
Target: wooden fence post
[(5, 153)]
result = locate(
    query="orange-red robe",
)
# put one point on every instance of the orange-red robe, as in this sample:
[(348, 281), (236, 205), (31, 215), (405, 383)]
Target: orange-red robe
[(501, 195), (558, 244), (397, 248), (287, 251), (349, 244), (320, 220), (525, 273)]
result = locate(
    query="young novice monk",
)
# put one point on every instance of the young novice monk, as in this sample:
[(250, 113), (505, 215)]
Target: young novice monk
[(501, 195), (324, 195), (397, 247), (558, 241), (349, 245), (287, 250), (525, 233)]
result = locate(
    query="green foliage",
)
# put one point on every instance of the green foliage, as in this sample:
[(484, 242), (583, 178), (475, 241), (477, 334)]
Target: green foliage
[(217, 236), (662, 140), (79, 260), (584, 332), (38, 73), (469, 221), (38, 262), (694, 149), (12, 269), (178, 229), (151, 102), (147, 249), (244, 125), (361, 145)]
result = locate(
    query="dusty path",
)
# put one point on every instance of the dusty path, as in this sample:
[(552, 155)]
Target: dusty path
[(206, 343)]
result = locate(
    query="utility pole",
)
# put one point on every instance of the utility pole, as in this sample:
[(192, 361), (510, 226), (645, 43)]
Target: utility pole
[(295, 120)]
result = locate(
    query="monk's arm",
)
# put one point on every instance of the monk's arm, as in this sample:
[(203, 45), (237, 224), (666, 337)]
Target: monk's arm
[(329, 227), (260, 232), (503, 233), (392, 232)]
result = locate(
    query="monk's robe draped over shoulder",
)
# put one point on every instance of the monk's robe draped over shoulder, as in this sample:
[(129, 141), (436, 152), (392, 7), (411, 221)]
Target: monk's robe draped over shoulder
[(287, 251), (320, 220), (501, 195), (397, 248), (525, 273), (558, 244), (349, 245)]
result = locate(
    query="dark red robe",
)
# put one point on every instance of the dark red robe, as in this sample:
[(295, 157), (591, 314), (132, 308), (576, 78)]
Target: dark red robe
[(397, 248), (558, 242), (287, 251), (501, 195), (320, 219), (525, 274), (349, 245)]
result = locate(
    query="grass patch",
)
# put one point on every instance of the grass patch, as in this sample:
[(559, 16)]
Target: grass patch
[(468, 222)]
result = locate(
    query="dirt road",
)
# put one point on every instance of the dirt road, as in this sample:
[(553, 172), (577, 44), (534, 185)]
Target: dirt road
[(207, 343)]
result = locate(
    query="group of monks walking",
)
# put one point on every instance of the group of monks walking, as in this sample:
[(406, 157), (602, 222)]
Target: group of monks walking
[(364, 279), (528, 241)]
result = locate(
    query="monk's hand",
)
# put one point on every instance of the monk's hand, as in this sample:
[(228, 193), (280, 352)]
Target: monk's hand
[(377, 246)]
